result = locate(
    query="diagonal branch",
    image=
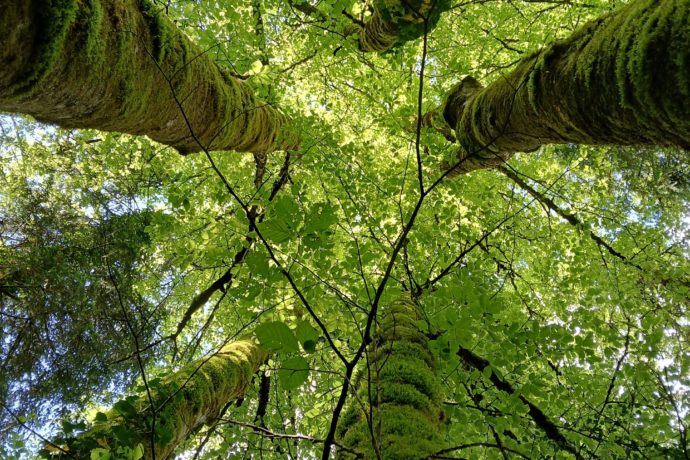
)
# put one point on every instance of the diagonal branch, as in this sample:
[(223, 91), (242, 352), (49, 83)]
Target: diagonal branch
[(571, 218), (538, 416), (440, 453), (222, 283), (203, 297)]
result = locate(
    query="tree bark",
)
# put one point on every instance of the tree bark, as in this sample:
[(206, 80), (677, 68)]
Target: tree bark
[(397, 413), (398, 21), (122, 66), (182, 402), (621, 79)]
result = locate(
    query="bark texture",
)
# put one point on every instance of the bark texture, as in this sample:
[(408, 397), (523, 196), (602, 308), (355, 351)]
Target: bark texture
[(395, 22), (621, 79), (397, 413), (183, 402), (119, 65)]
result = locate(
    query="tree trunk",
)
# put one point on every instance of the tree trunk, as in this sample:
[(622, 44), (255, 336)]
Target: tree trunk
[(396, 22), (621, 79), (122, 66), (397, 413), (183, 403)]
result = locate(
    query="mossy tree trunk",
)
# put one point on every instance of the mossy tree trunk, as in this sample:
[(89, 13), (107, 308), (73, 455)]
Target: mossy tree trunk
[(394, 22), (397, 413), (182, 403), (621, 79), (119, 65)]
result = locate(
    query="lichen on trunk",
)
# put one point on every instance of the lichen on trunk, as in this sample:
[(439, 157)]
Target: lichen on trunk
[(183, 402), (621, 79), (120, 65), (397, 413)]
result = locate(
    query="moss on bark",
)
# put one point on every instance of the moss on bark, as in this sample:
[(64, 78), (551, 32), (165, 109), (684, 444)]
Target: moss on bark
[(395, 22), (621, 79), (183, 401), (119, 65), (398, 412)]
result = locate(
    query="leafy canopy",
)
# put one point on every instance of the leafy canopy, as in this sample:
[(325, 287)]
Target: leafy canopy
[(585, 316)]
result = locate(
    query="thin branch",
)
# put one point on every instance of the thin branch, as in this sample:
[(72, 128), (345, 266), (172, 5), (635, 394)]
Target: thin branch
[(251, 216), (538, 416), (430, 283), (572, 219), (219, 285), (137, 353), (222, 283), (262, 431), (32, 431), (440, 453)]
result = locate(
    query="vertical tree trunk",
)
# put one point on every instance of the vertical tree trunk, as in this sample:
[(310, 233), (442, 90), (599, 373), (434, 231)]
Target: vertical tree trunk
[(183, 402), (621, 79), (119, 65), (397, 413)]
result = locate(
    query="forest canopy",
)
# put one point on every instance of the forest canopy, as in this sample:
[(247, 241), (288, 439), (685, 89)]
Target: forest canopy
[(344, 229)]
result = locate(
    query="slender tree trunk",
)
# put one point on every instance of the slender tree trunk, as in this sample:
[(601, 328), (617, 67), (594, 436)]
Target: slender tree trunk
[(397, 413), (621, 79), (182, 403), (120, 65)]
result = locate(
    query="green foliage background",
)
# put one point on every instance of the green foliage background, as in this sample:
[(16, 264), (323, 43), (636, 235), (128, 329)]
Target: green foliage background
[(107, 239)]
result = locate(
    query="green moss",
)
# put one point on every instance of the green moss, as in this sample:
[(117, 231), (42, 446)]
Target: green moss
[(54, 19), (401, 394), (88, 64), (535, 81), (404, 393), (396, 22), (681, 59), (95, 43), (403, 349), (196, 393), (621, 79), (159, 28), (643, 52), (412, 371)]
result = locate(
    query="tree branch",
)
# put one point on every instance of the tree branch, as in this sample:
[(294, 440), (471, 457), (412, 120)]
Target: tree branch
[(538, 416)]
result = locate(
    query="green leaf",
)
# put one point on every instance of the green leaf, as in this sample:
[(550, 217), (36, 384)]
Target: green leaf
[(256, 67), (100, 454), (309, 346), (277, 336), (69, 427), (276, 230), (164, 434), (138, 452), (125, 408), (293, 373), (321, 217), (287, 209), (122, 434), (307, 336), (257, 263)]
